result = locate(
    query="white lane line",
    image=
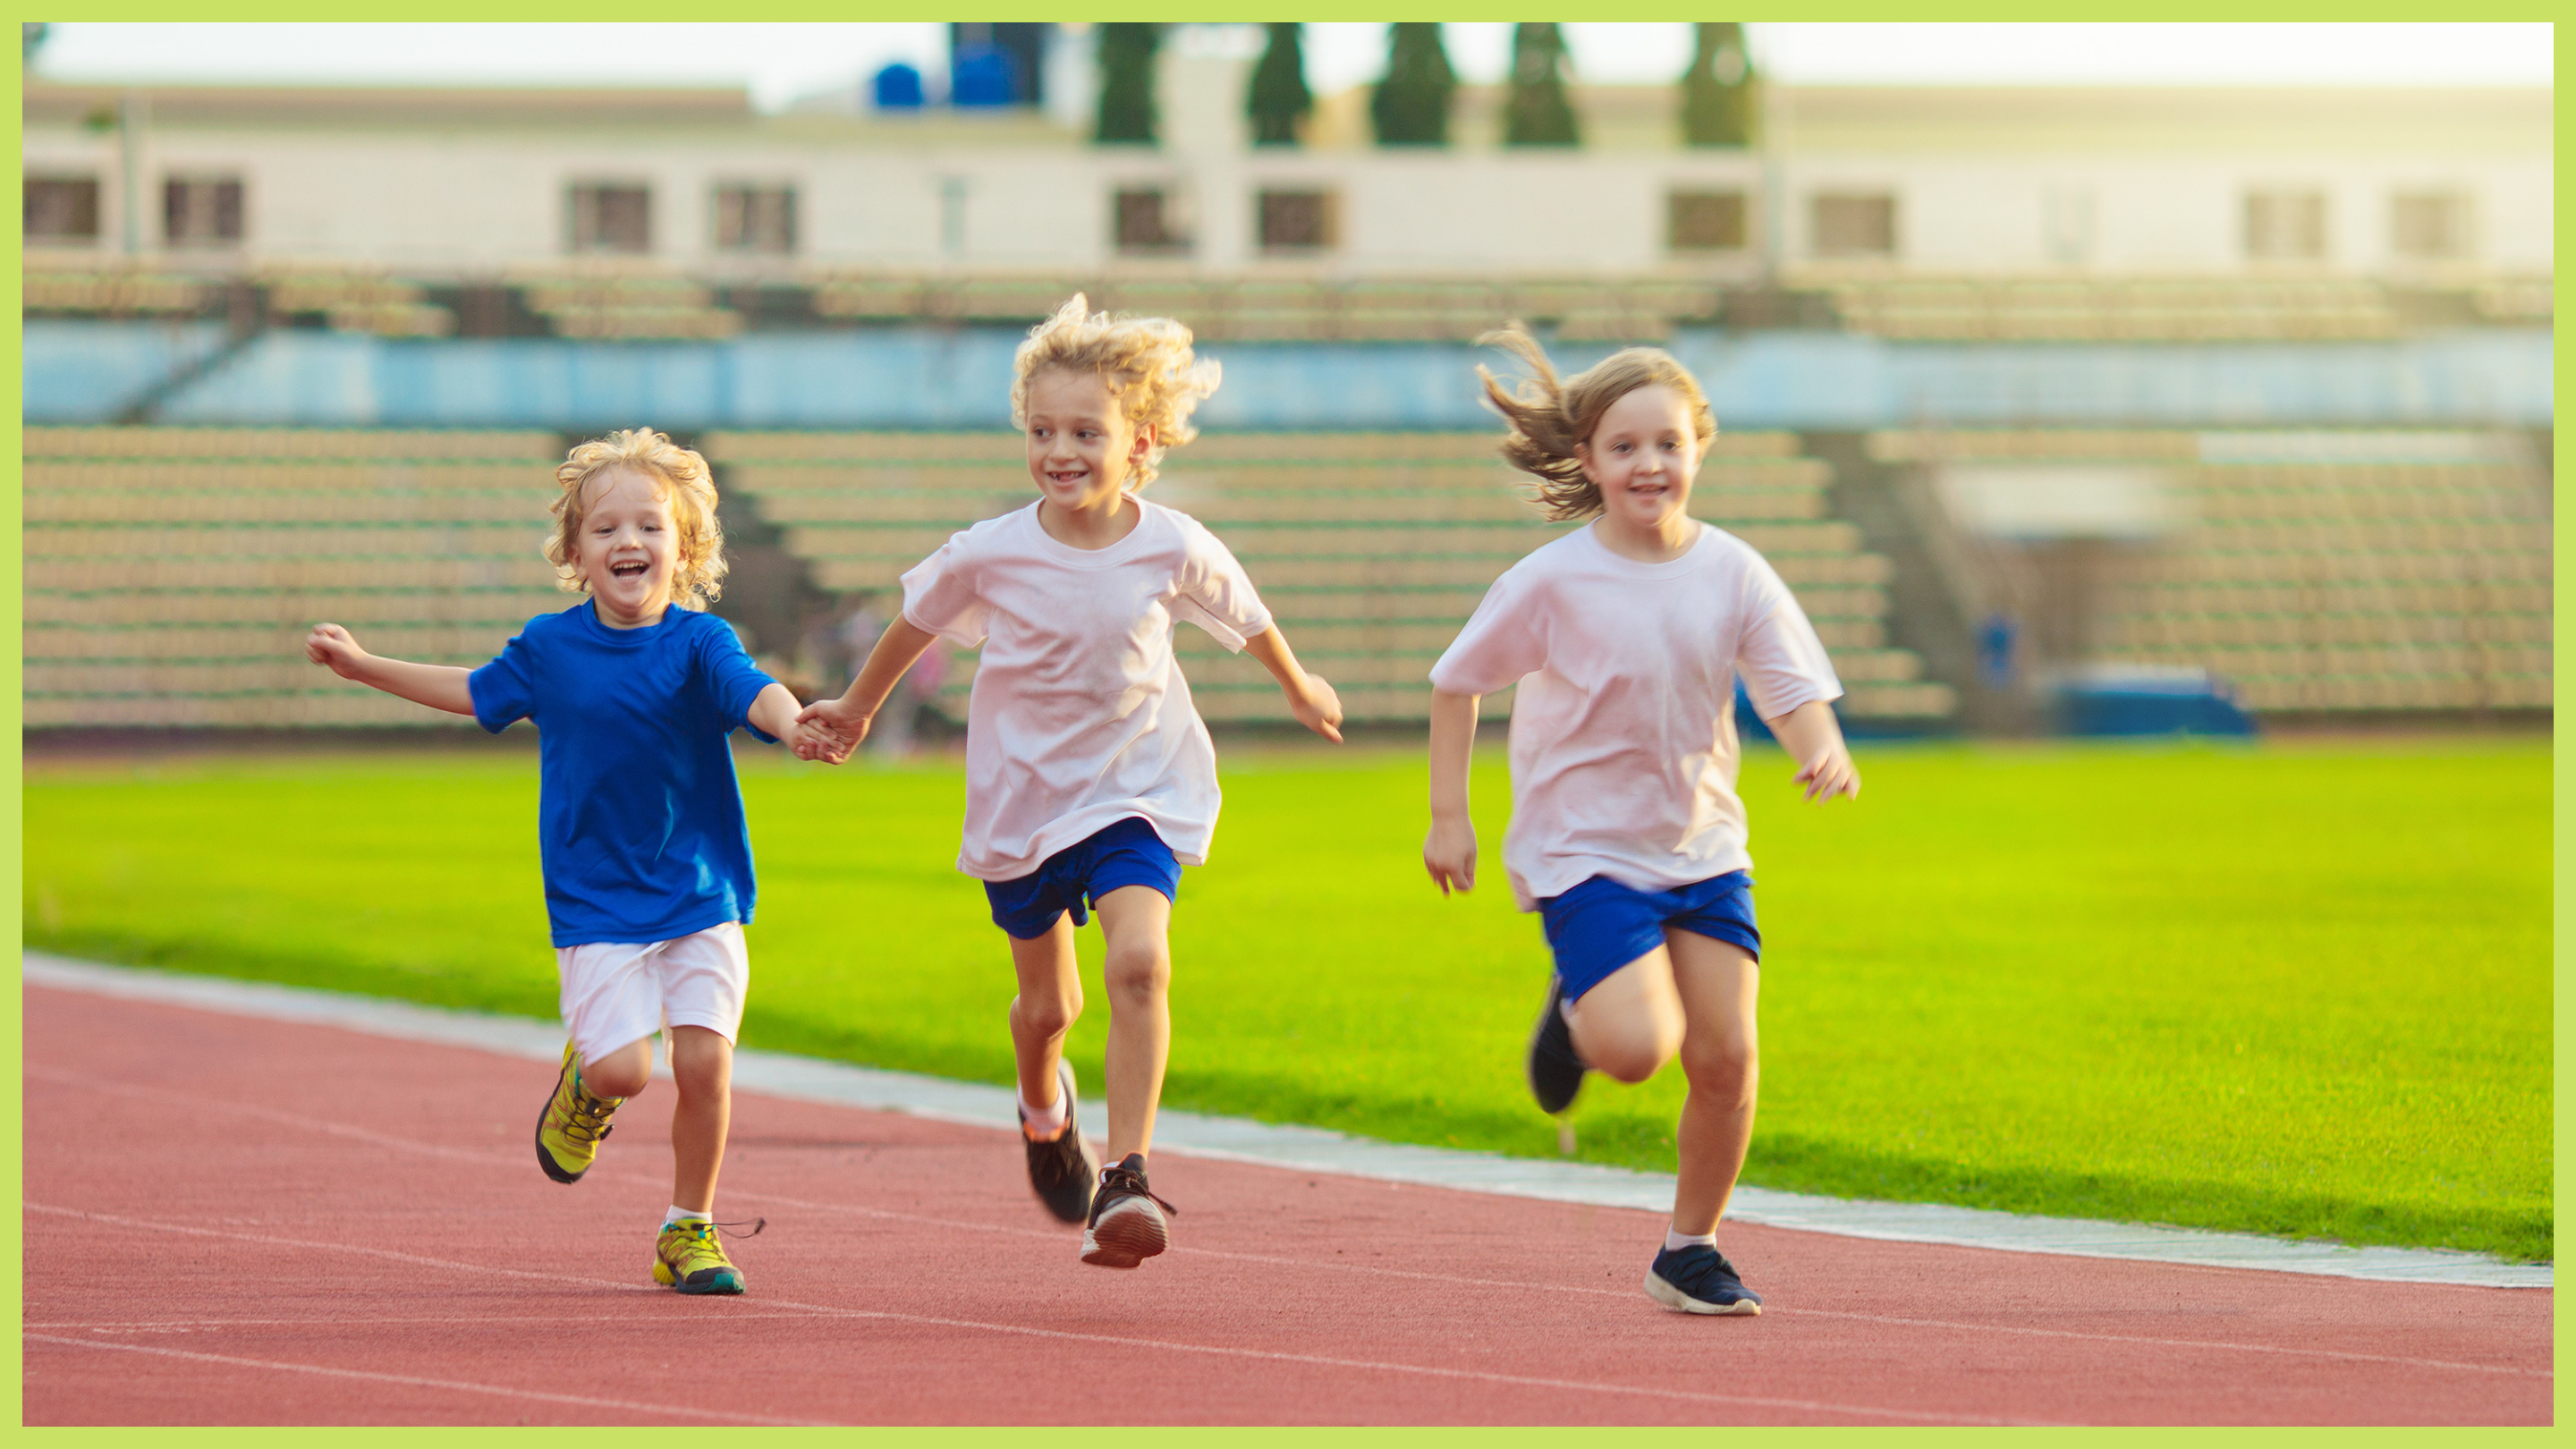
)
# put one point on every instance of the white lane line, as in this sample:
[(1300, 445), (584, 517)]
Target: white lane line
[(1314, 1149), (1022, 1330), (414, 1381), (513, 1163)]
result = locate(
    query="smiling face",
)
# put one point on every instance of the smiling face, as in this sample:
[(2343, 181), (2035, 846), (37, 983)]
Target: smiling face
[(629, 547), (1081, 445), (1642, 456)]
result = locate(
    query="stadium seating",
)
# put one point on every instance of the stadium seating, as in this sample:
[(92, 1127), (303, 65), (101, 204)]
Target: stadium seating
[(2032, 309), (1370, 549), (2351, 573), (171, 573)]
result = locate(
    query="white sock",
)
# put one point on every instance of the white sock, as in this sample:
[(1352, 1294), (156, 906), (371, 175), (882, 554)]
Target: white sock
[(1674, 1241), (679, 1214), (1043, 1124)]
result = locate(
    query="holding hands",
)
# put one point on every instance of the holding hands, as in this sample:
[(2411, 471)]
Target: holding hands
[(828, 730)]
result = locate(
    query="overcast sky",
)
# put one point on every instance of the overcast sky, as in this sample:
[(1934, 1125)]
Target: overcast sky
[(780, 62)]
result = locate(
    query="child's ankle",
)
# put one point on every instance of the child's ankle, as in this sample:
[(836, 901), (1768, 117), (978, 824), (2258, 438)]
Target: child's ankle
[(1044, 1124)]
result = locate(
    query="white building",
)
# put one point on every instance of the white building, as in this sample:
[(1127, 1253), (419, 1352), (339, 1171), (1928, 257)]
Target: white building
[(2389, 184)]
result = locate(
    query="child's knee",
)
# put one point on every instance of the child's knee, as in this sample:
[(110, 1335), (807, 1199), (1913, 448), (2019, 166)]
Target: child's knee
[(701, 1061), (1137, 972), (1048, 1013), (1720, 1062), (624, 1072), (1624, 1050)]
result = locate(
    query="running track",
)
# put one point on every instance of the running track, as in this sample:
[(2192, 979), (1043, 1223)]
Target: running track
[(231, 1220)]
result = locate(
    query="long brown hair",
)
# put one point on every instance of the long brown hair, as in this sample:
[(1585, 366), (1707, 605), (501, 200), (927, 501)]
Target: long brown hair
[(1550, 419)]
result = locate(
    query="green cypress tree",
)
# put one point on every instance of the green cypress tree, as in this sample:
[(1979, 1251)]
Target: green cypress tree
[(1411, 106), (1719, 90), (1538, 113), (1127, 113), (1279, 98)]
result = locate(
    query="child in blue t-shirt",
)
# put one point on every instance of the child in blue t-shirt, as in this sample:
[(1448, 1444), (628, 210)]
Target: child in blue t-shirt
[(639, 819)]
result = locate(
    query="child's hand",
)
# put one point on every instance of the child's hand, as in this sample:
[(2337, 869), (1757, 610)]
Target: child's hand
[(1829, 774), (816, 742), (1449, 853), (830, 729), (1318, 708), (336, 649)]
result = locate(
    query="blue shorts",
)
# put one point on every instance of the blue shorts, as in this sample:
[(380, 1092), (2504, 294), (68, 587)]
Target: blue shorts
[(1601, 925), (1125, 854)]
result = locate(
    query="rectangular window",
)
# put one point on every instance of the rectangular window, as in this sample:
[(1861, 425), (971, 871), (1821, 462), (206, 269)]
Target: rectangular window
[(201, 211), (751, 218), (1707, 221), (2429, 224), (1855, 224), (2285, 226), (1293, 221), (1147, 220), (609, 217), (62, 209)]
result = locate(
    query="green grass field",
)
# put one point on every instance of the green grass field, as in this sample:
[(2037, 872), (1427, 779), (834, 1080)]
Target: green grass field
[(2296, 988)]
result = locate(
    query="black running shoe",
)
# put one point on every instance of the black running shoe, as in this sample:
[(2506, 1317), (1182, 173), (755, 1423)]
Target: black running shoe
[(1063, 1172), (1127, 1225), (1698, 1279), (1555, 1069)]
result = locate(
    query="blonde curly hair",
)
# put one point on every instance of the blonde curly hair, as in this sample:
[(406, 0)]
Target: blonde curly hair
[(1145, 361), (697, 579), (1550, 419)]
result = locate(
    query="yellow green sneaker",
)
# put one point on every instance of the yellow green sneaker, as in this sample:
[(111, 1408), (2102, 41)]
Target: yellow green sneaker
[(573, 1125), (688, 1257)]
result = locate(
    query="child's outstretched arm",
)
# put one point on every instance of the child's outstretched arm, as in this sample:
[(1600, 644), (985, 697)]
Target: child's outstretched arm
[(1812, 738), (1449, 852), (440, 686), (1313, 701), (848, 717)]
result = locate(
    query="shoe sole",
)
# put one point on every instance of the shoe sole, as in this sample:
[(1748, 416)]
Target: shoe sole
[(546, 1159), (1674, 1298), (729, 1285), (1125, 1237)]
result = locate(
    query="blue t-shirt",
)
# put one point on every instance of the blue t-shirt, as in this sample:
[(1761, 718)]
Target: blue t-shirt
[(639, 818)]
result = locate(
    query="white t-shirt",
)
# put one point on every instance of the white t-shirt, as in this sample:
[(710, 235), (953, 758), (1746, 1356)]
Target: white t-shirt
[(1623, 733), (1079, 716)]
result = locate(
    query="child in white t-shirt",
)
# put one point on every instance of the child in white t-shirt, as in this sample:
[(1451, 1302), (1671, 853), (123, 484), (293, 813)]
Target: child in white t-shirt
[(1626, 639), (1089, 777)]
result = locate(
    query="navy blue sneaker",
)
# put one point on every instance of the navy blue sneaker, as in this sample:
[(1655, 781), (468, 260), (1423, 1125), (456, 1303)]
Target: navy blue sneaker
[(1555, 1069), (1698, 1279), (1062, 1172), (1128, 1223)]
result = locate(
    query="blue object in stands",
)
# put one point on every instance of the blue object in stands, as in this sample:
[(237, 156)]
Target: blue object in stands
[(987, 77), (1995, 644), (898, 88), (2135, 700)]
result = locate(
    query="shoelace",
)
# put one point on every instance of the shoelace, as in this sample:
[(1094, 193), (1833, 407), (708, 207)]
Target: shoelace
[(703, 1233), (1119, 1179), (586, 1121)]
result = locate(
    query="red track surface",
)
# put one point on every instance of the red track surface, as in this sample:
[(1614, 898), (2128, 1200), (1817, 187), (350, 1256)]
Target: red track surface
[(238, 1221)]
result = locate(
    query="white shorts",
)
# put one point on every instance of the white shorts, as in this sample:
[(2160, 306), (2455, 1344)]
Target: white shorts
[(617, 992)]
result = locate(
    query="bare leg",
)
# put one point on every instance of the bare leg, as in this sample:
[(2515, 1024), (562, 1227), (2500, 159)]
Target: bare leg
[(625, 1072), (1721, 1052), (1137, 921), (1049, 1003), (702, 1064), (1627, 1027)]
